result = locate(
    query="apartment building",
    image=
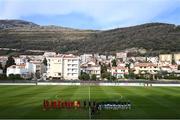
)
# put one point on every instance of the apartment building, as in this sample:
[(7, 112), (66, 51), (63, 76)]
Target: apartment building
[(177, 58), (119, 71), (71, 67), (143, 68), (121, 56), (26, 70), (165, 58), (86, 57), (91, 68), (63, 67)]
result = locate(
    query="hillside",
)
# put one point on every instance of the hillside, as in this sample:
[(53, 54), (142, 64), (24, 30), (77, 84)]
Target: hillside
[(26, 35), (5, 24)]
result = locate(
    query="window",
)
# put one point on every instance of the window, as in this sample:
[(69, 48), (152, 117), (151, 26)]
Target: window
[(74, 74), (74, 65)]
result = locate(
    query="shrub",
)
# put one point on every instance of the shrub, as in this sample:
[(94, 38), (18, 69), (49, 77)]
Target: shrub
[(15, 77), (84, 76), (3, 77)]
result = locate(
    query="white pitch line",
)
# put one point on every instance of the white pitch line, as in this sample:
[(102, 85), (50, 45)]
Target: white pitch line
[(89, 101)]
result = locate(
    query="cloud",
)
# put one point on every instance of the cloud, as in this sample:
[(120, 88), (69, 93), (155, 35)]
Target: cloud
[(106, 13)]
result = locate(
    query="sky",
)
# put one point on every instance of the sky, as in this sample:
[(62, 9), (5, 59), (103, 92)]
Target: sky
[(92, 14)]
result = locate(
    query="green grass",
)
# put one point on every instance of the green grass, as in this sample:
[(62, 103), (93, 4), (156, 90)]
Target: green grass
[(147, 102)]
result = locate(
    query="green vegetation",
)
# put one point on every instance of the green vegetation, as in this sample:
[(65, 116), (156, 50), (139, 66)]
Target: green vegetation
[(11, 77), (147, 102), (84, 76), (15, 77), (45, 61), (114, 63), (9, 62), (3, 77), (93, 77), (1, 66)]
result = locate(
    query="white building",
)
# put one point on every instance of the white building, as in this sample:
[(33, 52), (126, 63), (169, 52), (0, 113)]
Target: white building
[(143, 68), (121, 55), (55, 67), (170, 68), (140, 59), (40, 67), (103, 57), (19, 61), (167, 69), (63, 67), (177, 58), (24, 70), (71, 65), (165, 58), (91, 68), (119, 71), (111, 57), (86, 57), (31, 67), (49, 54), (152, 59)]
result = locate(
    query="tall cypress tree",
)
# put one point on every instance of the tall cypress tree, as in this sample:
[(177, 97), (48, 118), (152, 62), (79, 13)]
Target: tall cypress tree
[(1, 66), (9, 62), (45, 61)]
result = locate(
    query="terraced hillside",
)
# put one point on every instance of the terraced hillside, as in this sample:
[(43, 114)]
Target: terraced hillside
[(157, 37)]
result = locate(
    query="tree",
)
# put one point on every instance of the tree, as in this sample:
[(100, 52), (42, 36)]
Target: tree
[(114, 63), (9, 62), (84, 76), (128, 65), (106, 75), (178, 67), (173, 60), (15, 77), (112, 78), (131, 75), (45, 61), (103, 68), (3, 77), (93, 77), (1, 66)]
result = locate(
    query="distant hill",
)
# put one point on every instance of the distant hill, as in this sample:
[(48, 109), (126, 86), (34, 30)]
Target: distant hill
[(5, 24), (155, 37)]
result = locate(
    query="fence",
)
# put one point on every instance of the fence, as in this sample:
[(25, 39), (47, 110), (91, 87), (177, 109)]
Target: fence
[(96, 84)]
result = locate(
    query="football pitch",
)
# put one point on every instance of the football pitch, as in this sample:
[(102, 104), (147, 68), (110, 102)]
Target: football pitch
[(147, 102)]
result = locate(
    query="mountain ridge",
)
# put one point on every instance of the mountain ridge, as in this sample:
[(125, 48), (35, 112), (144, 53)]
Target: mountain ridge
[(158, 37)]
